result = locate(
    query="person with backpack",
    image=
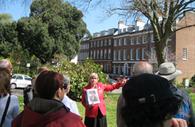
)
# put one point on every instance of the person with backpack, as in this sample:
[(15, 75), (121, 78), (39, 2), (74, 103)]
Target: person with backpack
[(168, 71), (9, 105), (29, 92), (149, 102)]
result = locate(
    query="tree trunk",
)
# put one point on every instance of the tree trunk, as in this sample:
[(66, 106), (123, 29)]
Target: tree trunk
[(159, 52)]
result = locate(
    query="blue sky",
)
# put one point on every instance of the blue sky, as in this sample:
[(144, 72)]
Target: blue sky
[(95, 18)]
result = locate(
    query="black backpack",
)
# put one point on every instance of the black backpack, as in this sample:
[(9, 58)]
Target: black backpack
[(27, 94)]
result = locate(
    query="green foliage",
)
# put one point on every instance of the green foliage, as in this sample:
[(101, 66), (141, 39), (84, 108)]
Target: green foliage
[(79, 74), (8, 38), (192, 81), (5, 18), (54, 27), (21, 103)]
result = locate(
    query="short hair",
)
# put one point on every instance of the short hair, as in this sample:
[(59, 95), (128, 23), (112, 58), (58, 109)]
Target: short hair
[(5, 64), (4, 82), (142, 67), (47, 83), (41, 69), (66, 80)]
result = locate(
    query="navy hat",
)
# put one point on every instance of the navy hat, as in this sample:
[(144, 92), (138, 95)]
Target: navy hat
[(146, 88)]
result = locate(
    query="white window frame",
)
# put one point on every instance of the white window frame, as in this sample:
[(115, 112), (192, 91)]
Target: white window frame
[(109, 53), (143, 53), (124, 54), (185, 54), (131, 54), (137, 54)]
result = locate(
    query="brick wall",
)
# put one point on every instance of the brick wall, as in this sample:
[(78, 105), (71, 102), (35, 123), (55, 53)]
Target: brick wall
[(185, 38)]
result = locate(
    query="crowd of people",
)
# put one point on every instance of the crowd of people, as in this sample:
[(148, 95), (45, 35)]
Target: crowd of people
[(148, 99)]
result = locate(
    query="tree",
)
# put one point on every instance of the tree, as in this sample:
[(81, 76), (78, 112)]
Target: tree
[(54, 27), (5, 18), (79, 74), (162, 15), (8, 35)]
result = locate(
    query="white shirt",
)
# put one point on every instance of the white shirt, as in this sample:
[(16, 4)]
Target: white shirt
[(72, 105)]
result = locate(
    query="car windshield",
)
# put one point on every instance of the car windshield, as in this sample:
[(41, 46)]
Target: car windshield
[(27, 78), (14, 76)]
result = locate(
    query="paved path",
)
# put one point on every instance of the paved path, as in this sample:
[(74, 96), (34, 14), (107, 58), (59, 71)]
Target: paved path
[(117, 90), (17, 92)]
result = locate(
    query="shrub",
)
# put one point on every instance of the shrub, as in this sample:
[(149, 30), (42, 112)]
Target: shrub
[(192, 81), (79, 74)]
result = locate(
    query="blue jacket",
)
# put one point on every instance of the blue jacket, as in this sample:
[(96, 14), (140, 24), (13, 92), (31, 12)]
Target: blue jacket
[(13, 109), (186, 109)]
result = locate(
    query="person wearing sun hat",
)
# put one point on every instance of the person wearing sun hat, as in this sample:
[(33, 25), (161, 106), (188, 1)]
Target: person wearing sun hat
[(149, 102), (168, 71)]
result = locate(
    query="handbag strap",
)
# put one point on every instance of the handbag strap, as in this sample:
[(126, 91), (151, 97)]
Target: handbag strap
[(5, 111)]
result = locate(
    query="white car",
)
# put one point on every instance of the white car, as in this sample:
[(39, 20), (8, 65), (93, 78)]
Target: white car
[(20, 81)]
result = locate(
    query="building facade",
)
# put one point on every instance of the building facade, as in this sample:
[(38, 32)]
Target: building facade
[(185, 47), (116, 50)]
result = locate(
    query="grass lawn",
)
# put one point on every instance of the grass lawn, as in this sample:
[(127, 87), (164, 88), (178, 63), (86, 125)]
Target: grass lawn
[(111, 101)]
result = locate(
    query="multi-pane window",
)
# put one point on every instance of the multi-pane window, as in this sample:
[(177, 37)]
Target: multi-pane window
[(98, 43), (135, 40), (94, 53), (131, 54), (91, 54), (109, 42), (105, 54), (98, 54), (144, 39), (101, 43), (114, 69), (137, 54), (128, 41), (115, 42), (143, 53), (139, 40), (132, 40), (101, 54), (105, 42), (185, 54), (109, 53), (114, 54), (119, 54), (153, 53), (92, 43), (125, 69), (120, 41), (125, 41), (124, 54), (119, 69)]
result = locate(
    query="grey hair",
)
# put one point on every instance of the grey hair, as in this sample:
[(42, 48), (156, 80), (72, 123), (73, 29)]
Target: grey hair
[(142, 67), (4, 63)]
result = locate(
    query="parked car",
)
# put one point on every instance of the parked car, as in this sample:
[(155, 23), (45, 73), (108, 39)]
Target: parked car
[(20, 81), (111, 81)]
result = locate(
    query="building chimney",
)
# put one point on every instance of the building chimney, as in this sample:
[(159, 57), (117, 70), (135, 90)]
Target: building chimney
[(139, 24), (121, 25)]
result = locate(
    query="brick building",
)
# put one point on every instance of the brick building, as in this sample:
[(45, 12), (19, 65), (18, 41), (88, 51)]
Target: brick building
[(119, 48), (185, 46)]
